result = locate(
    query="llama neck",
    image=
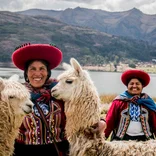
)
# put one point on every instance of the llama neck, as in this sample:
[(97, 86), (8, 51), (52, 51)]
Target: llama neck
[(82, 112)]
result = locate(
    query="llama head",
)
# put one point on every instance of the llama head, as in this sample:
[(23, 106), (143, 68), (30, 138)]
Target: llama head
[(73, 83), (15, 95)]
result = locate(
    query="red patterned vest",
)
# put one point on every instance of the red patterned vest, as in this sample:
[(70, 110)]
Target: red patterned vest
[(34, 131)]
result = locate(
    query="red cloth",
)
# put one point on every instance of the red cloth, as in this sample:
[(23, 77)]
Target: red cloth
[(114, 115)]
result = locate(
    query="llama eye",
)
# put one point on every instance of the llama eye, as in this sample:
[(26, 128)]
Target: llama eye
[(69, 81), (11, 97)]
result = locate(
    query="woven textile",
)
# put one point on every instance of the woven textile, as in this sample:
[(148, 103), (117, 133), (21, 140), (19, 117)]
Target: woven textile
[(134, 112)]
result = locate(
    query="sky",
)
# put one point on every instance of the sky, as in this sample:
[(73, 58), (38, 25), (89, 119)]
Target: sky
[(146, 6)]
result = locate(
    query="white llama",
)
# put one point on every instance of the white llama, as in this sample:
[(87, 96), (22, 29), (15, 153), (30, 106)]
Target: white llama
[(14, 104), (82, 109)]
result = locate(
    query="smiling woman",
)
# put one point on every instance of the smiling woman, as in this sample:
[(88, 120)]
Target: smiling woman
[(43, 130), (132, 114), (37, 72)]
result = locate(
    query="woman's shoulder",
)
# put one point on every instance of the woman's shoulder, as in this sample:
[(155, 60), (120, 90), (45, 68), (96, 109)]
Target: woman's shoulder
[(119, 104), (51, 82)]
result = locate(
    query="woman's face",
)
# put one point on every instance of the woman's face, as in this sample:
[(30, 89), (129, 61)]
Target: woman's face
[(135, 87), (37, 74)]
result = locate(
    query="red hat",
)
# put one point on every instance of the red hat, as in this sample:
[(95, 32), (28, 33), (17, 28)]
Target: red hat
[(134, 73), (28, 52)]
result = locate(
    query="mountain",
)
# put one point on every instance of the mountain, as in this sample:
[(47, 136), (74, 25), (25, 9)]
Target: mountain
[(132, 23), (88, 45)]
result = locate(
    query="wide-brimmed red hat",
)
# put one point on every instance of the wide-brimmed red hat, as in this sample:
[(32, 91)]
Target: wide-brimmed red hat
[(134, 73), (28, 52)]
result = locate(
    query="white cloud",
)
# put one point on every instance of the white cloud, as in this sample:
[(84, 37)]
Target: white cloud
[(149, 8), (146, 6)]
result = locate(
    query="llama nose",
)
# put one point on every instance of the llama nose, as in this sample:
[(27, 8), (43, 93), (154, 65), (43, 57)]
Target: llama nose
[(53, 90), (30, 105)]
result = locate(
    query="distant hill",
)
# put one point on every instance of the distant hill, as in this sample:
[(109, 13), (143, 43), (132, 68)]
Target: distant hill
[(88, 45), (132, 23)]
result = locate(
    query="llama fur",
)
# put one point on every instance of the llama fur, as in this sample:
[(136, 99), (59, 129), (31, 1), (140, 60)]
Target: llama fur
[(14, 104), (82, 109)]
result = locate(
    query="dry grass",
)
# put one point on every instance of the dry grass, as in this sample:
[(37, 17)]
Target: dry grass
[(107, 98), (106, 101), (154, 98)]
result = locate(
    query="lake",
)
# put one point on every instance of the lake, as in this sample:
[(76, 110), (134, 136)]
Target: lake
[(106, 82)]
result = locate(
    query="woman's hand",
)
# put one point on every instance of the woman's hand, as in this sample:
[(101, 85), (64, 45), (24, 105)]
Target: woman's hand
[(99, 127), (96, 130)]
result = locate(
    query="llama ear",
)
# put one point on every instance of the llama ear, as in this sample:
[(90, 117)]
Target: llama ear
[(75, 64), (14, 77), (1, 84)]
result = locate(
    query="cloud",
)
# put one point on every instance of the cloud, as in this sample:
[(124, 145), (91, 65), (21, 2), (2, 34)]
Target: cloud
[(146, 6), (149, 8), (13, 5), (80, 1)]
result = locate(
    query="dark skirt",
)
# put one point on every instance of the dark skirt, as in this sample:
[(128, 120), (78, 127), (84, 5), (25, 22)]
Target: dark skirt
[(137, 138), (41, 150)]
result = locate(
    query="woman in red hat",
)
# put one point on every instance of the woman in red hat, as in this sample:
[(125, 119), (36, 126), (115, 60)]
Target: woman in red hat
[(132, 114), (42, 132)]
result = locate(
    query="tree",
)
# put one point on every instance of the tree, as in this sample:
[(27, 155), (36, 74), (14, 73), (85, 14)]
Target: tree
[(132, 65)]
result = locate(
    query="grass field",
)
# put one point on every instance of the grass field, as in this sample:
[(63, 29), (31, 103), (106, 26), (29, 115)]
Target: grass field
[(108, 98)]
